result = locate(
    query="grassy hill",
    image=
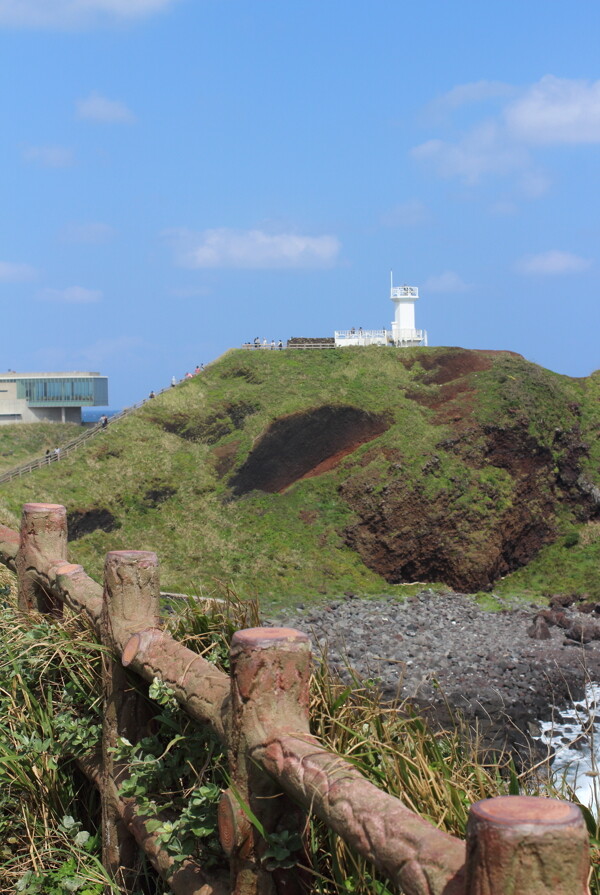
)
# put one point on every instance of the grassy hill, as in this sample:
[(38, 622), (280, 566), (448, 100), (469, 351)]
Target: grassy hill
[(298, 473), (19, 442)]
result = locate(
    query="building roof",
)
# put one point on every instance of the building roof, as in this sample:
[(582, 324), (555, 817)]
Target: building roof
[(10, 374)]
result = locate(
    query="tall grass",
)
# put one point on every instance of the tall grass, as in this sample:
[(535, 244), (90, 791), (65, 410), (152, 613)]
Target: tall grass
[(49, 695), (49, 711)]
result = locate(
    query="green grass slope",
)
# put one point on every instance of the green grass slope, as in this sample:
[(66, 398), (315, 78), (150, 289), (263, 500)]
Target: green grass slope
[(21, 442), (456, 446)]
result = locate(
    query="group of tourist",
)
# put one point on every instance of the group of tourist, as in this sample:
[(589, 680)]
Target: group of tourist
[(175, 381), (265, 344)]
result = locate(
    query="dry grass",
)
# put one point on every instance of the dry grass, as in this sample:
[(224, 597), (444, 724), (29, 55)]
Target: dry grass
[(436, 773), (589, 533)]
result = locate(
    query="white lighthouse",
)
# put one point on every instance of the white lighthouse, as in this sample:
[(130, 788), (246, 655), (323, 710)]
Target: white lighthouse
[(404, 334)]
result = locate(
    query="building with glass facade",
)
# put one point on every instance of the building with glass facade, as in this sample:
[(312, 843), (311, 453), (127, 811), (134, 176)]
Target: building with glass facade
[(49, 397)]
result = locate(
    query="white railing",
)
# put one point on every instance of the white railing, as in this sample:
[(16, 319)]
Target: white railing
[(398, 337), (410, 337), (361, 334), (404, 292)]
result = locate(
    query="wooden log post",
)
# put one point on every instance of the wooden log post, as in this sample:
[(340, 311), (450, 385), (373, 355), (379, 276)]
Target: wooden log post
[(131, 600), (518, 844), (43, 544), (270, 670)]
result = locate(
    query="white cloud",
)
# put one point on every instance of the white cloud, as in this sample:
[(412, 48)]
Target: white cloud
[(468, 94), (49, 156), (533, 183), (190, 292), (503, 208), (96, 107), (90, 357), (483, 150), (94, 355), (556, 110), (449, 281), (224, 247), (551, 111), (552, 263), (411, 213), (75, 295), (73, 13), (92, 233), (15, 273)]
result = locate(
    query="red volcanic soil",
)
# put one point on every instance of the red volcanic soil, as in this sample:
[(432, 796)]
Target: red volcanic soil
[(304, 444), (330, 462), (455, 521), (405, 535)]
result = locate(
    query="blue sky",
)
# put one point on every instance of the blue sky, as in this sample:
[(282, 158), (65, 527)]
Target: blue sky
[(179, 176)]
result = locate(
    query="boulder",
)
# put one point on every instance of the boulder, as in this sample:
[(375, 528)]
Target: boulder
[(539, 630)]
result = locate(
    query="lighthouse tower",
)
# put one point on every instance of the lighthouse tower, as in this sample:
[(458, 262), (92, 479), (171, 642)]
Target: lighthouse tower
[(404, 334)]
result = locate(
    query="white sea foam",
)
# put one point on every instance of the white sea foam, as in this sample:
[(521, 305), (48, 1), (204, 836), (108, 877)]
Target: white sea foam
[(575, 740)]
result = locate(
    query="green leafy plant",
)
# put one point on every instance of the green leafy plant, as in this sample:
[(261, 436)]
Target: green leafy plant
[(49, 710), (175, 777), (282, 846), (76, 873)]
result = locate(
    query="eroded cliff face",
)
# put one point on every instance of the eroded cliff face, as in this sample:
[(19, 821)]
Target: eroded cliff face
[(469, 525), (467, 531), (304, 444), (481, 502), (289, 474)]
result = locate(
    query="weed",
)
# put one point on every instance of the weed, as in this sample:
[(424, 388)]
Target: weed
[(49, 690), (282, 546)]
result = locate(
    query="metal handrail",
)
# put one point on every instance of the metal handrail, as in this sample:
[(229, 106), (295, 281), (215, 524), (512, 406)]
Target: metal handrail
[(70, 446)]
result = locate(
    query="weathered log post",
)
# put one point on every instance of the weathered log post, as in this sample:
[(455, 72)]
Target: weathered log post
[(270, 670), (518, 844), (130, 604), (43, 544)]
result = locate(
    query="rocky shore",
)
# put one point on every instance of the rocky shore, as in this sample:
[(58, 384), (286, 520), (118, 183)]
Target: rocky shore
[(505, 670)]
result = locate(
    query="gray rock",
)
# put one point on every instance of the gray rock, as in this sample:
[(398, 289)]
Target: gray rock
[(539, 629), (481, 660)]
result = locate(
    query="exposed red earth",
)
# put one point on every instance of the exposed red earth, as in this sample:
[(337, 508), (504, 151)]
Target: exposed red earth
[(456, 533)]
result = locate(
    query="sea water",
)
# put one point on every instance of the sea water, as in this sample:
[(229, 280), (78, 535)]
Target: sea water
[(575, 739), (93, 414)]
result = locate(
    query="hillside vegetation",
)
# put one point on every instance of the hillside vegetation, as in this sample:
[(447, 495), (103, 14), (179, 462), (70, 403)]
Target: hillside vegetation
[(22, 442), (297, 473)]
